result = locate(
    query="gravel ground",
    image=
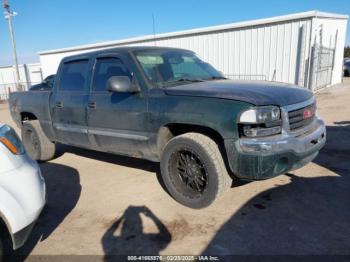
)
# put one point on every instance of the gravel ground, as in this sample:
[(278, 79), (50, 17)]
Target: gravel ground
[(102, 204)]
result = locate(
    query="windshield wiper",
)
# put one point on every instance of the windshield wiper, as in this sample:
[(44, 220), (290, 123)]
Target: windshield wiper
[(191, 80), (187, 80), (216, 78)]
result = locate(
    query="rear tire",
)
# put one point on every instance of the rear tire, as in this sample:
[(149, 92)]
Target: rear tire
[(36, 143), (193, 170)]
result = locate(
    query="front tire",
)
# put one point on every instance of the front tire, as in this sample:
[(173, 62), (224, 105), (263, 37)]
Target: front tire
[(193, 170), (36, 143)]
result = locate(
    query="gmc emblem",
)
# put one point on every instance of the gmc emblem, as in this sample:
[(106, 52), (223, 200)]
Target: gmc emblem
[(307, 113)]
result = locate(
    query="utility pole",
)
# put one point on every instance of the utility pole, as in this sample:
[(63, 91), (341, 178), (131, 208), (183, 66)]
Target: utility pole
[(8, 16)]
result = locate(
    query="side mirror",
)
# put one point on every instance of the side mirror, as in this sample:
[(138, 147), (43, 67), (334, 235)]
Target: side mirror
[(122, 84)]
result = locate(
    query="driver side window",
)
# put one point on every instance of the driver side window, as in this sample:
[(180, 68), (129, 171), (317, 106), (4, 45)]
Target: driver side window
[(105, 68)]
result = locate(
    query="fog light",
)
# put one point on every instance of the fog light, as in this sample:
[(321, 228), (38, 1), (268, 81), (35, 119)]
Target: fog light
[(258, 131), (255, 147)]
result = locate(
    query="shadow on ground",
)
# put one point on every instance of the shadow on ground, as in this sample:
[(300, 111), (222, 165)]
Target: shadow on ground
[(109, 158), (126, 235), (310, 215), (126, 161), (63, 190)]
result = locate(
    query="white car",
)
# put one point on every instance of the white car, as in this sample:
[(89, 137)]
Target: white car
[(22, 192)]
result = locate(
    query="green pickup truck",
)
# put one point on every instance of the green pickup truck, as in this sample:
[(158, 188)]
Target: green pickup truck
[(167, 105)]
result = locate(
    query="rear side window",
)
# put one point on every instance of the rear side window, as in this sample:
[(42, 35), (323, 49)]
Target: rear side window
[(105, 68), (73, 76)]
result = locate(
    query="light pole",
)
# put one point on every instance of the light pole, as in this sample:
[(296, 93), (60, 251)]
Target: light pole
[(8, 17)]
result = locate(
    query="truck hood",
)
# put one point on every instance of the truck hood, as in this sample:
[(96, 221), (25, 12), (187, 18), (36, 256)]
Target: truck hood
[(258, 93)]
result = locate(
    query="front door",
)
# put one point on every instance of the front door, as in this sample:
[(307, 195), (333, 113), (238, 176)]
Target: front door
[(69, 102), (117, 121)]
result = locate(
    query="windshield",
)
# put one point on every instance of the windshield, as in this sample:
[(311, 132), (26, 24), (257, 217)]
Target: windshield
[(165, 68)]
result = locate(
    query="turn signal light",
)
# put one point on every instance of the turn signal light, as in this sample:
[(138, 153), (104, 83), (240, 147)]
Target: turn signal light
[(9, 145), (10, 140)]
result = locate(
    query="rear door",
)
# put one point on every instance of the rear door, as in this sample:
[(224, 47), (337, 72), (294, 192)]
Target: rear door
[(69, 102), (117, 121)]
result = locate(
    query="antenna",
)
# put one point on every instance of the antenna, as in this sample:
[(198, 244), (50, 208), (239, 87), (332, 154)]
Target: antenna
[(154, 30)]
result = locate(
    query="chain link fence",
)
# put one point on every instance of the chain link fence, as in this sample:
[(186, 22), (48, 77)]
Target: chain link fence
[(247, 77), (322, 64)]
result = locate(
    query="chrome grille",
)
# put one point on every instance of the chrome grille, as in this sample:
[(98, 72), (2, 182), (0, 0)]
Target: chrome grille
[(297, 117)]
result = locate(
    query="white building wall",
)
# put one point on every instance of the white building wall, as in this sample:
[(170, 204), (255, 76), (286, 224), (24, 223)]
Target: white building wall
[(7, 82), (275, 49), (29, 74), (265, 52), (34, 74), (332, 33)]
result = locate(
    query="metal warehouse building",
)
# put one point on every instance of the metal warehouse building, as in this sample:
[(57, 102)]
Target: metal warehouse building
[(304, 48), (29, 74)]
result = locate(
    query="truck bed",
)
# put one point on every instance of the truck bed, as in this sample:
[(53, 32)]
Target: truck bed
[(27, 103)]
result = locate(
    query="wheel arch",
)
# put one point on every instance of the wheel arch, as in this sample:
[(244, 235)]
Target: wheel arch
[(170, 130), (25, 116)]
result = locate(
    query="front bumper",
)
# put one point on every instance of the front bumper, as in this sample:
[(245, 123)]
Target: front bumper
[(263, 158)]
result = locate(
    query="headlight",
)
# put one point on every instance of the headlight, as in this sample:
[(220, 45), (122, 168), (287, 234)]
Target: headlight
[(10, 140), (260, 121), (261, 115)]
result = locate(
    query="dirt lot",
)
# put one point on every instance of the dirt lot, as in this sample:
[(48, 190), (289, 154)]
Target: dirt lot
[(104, 204)]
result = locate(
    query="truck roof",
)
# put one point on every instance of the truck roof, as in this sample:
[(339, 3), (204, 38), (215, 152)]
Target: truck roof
[(122, 49)]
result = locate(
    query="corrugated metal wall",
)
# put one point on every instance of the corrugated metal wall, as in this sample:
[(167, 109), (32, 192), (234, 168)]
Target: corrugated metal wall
[(29, 74), (277, 51)]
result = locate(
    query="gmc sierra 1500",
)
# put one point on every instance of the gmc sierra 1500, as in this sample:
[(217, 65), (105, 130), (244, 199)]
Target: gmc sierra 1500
[(167, 105)]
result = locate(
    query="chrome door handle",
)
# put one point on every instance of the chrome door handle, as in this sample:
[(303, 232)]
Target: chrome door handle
[(92, 105), (59, 104)]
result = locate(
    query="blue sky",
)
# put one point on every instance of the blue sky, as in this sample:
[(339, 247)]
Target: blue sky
[(43, 25)]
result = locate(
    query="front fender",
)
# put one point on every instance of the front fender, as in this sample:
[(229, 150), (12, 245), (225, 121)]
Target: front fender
[(217, 114), (11, 212)]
